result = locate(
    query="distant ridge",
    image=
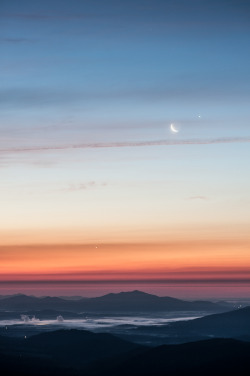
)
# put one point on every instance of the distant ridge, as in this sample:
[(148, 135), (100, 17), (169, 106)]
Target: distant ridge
[(133, 301)]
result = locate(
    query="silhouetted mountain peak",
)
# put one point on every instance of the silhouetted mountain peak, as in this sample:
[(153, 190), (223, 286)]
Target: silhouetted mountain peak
[(136, 293), (128, 296), (15, 296), (19, 298)]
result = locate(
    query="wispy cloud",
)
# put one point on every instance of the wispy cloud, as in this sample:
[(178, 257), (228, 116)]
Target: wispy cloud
[(208, 141), (204, 198), (189, 89), (47, 16), (124, 275), (15, 40), (181, 281), (83, 186)]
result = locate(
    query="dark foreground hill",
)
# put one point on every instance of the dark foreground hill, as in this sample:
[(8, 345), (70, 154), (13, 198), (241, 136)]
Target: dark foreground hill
[(135, 301), (211, 357), (233, 324), (75, 353), (227, 324), (63, 352), (69, 348)]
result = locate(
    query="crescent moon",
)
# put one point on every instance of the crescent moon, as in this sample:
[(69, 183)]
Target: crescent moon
[(173, 129)]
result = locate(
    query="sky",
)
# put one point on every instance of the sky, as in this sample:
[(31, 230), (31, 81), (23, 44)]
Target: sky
[(97, 193)]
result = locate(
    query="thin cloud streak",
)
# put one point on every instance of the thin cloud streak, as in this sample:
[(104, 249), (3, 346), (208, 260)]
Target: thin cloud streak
[(50, 16), (109, 145), (102, 275), (15, 40), (83, 186), (203, 198), (129, 281)]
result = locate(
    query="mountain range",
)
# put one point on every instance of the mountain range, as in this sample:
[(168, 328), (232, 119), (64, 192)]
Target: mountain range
[(135, 301)]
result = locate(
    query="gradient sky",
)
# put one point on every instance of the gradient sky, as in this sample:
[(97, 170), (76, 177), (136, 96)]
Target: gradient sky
[(96, 193)]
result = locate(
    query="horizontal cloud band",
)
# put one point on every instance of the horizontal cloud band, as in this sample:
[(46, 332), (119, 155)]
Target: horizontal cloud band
[(128, 281), (210, 141)]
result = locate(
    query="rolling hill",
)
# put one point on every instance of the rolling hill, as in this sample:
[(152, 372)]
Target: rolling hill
[(75, 353)]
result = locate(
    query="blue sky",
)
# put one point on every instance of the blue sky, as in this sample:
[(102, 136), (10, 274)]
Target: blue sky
[(84, 72), (100, 64), (88, 92)]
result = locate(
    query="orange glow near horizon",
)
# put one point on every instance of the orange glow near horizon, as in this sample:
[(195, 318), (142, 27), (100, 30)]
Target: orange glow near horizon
[(174, 261)]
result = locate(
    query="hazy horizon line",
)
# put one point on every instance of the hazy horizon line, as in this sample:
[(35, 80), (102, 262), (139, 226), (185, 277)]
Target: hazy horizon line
[(129, 281)]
